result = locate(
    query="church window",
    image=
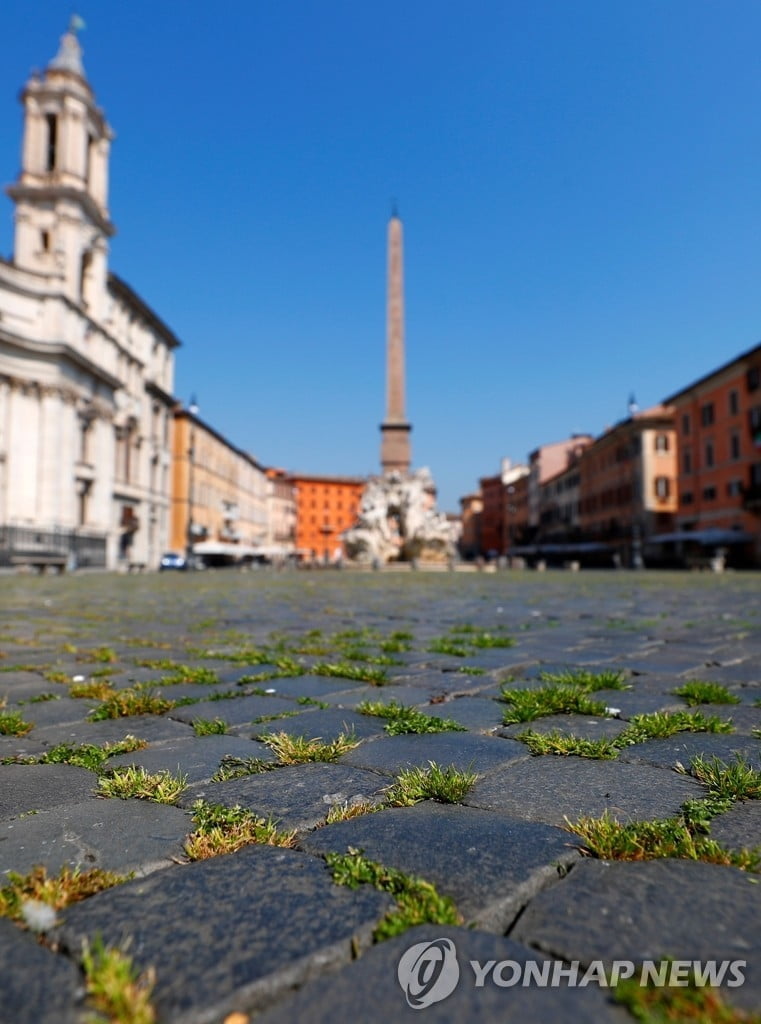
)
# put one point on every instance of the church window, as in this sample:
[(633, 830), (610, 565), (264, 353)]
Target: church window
[(84, 274), (45, 241), (88, 157)]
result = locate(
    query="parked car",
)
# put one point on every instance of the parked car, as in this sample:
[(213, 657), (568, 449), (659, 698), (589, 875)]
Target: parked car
[(172, 560)]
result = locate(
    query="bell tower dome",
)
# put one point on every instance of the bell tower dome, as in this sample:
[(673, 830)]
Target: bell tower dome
[(62, 224)]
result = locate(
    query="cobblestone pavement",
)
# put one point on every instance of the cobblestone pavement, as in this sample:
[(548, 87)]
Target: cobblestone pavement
[(270, 932)]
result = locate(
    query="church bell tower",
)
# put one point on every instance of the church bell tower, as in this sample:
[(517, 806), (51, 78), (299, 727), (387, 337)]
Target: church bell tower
[(62, 224)]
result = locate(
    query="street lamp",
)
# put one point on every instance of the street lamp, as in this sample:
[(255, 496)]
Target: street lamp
[(193, 410)]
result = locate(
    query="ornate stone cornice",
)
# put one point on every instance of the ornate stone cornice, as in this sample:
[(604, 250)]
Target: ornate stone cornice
[(60, 350), (49, 192)]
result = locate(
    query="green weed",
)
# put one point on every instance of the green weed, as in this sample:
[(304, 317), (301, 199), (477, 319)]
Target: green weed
[(417, 901)]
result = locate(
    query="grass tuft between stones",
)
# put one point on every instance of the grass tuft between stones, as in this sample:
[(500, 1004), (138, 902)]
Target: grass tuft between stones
[(345, 670), (734, 781), (56, 891), (402, 720), (555, 742), (582, 679), (347, 811), (694, 1003), (662, 724), (115, 987), (88, 755), (609, 839), (136, 700), (528, 705), (95, 689), (684, 836), (220, 830), (417, 901), (133, 783), (445, 785), (12, 724), (291, 750), (209, 726), (232, 767), (697, 692)]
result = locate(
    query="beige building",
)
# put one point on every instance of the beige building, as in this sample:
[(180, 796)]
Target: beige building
[(546, 462), (281, 513), (86, 367), (219, 495)]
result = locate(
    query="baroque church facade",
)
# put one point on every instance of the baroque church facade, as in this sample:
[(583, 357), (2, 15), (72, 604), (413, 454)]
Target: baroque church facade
[(86, 367)]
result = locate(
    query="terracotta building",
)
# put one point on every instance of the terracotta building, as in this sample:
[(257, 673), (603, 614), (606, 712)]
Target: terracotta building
[(718, 424), (325, 507), (219, 494), (628, 483), (492, 515)]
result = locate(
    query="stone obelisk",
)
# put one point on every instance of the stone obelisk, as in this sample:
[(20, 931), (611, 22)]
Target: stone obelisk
[(395, 430)]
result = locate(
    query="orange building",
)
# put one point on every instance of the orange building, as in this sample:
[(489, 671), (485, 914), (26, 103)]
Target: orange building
[(718, 421), (325, 507), (627, 483)]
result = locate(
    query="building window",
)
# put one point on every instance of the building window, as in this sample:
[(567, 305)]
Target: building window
[(687, 462), (85, 436), (83, 501), (88, 158), (706, 414), (52, 123), (734, 488), (662, 486), (84, 276), (709, 493), (709, 454), (686, 498), (754, 418), (734, 445), (661, 442), (734, 402), (753, 378), (45, 241), (686, 424)]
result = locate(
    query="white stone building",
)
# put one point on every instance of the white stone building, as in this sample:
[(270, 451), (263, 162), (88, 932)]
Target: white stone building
[(86, 368)]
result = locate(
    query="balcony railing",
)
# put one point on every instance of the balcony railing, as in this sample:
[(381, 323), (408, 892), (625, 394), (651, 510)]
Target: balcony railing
[(23, 545)]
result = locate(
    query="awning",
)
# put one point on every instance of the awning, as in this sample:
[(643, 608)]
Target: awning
[(705, 538), (238, 551), (581, 548), (220, 547)]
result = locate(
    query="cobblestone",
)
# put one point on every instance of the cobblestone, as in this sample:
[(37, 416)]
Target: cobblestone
[(266, 932)]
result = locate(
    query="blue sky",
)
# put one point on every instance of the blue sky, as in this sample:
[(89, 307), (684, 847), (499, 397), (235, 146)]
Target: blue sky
[(578, 181)]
